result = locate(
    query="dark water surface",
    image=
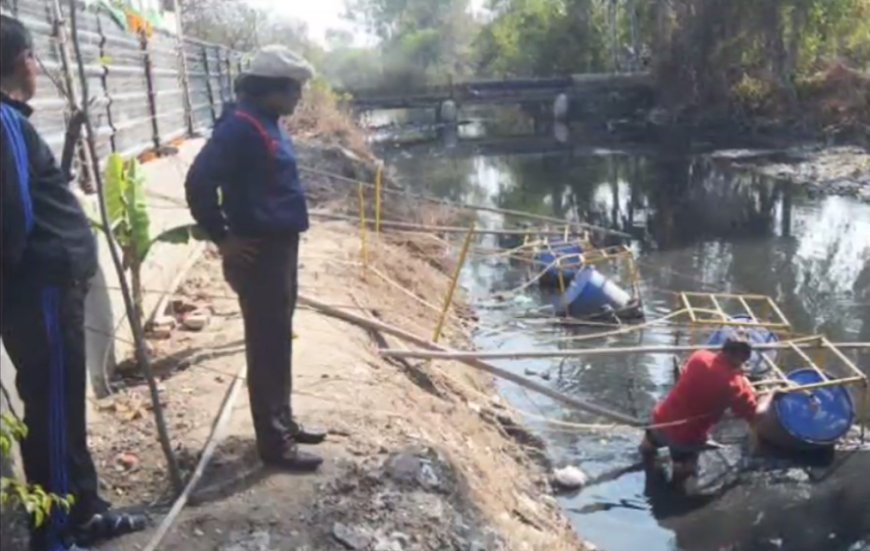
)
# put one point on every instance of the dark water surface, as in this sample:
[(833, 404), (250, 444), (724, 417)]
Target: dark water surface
[(700, 225)]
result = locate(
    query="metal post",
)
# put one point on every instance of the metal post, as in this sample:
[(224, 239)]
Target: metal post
[(229, 69), (208, 87), (152, 94), (448, 300), (185, 76)]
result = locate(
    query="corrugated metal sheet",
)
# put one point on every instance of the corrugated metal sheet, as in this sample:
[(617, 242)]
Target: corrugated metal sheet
[(169, 93), (126, 89), (118, 84), (50, 105), (200, 95)]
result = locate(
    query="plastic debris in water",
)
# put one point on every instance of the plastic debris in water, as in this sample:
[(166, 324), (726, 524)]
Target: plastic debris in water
[(570, 478), (522, 300)]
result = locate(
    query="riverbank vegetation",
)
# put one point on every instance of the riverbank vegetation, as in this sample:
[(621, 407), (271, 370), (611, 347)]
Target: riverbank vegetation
[(785, 62)]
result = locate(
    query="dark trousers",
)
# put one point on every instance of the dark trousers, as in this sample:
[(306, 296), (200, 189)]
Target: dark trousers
[(43, 332), (267, 289)]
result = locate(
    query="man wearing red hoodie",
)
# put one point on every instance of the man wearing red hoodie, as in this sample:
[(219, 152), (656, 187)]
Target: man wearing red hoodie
[(710, 384)]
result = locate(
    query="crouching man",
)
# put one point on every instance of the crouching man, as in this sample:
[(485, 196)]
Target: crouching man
[(710, 384)]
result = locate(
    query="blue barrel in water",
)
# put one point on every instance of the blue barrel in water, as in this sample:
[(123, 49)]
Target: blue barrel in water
[(807, 420), (572, 260), (591, 293), (756, 335)]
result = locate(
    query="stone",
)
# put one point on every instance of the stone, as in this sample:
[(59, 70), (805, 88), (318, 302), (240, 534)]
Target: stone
[(127, 461), (161, 327), (196, 320), (427, 477), (403, 467), (253, 541), (351, 537)]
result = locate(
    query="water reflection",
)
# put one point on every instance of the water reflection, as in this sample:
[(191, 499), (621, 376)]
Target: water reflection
[(701, 226)]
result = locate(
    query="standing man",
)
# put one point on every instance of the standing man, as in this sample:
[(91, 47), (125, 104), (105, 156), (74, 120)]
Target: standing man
[(710, 384), (256, 222), (48, 256)]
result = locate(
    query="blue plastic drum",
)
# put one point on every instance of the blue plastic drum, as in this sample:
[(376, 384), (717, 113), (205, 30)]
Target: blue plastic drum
[(756, 335), (572, 260), (817, 420), (590, 293)]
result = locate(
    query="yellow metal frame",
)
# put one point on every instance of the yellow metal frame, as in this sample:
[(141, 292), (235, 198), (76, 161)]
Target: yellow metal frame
[(448, 299), (717, 315), (855, 376), (614, 254)]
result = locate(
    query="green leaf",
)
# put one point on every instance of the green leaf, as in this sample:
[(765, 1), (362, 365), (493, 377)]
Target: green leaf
[(38, 517), (115, 188), (137, 209)]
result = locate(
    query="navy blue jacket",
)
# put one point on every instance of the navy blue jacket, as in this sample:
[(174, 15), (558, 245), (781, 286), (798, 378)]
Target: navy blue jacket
[(251, 160), (47, 239)]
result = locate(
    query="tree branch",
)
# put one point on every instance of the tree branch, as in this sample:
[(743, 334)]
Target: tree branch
[(141, 354)]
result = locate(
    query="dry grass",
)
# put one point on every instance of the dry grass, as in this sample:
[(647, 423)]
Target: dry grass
[(838, 96), (322, 117)]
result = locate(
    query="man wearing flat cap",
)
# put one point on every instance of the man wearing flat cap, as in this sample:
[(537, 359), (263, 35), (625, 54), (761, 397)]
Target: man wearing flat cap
[(244, 191)]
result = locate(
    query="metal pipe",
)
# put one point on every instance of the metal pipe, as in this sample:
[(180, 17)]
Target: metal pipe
[(576, 353)]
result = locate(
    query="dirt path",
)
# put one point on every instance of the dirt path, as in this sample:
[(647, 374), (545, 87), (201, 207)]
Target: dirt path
[(418, 457)]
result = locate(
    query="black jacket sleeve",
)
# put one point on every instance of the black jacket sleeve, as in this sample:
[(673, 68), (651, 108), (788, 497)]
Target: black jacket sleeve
[(12, 211)]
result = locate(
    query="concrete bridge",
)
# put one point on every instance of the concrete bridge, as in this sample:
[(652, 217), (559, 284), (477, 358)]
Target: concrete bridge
[(616, 93)]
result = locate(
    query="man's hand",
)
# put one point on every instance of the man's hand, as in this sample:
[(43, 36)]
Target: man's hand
[(237, 250)]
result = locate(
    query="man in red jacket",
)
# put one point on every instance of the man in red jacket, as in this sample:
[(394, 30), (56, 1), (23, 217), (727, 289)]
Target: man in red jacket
[(710, 383)]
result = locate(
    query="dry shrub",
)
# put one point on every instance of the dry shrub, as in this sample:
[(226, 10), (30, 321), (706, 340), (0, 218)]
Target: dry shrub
[(837, 95), (754, 95), (322, 116)]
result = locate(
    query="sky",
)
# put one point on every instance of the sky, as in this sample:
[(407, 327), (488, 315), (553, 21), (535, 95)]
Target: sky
[(322, 15), (319, 15)]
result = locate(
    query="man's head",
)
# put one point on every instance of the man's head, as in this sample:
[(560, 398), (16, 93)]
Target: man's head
[(18, 69), (738, 351), (275, 78)]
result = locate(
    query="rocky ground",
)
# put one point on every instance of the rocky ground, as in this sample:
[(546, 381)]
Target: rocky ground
[(821, 170), (420, 456)]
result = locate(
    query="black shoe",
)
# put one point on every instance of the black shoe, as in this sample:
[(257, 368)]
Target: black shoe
[(302, 435), (293, 460), (108, 525)]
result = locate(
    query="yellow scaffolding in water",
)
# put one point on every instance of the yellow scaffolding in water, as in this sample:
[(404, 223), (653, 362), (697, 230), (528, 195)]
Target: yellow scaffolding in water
[(722, 309), (752, 311)]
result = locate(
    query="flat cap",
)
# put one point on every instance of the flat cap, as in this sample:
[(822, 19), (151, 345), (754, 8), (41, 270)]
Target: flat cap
[(278, 61)]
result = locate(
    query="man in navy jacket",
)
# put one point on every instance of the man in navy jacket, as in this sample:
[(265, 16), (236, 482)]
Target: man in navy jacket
[(244, 191)]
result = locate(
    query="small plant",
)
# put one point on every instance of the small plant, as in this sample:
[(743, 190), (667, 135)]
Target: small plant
[(13, 493), (130, 222)]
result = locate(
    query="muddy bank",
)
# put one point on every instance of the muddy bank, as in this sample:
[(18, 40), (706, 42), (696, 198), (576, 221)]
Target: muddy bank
[(820, 170), (419, 455)]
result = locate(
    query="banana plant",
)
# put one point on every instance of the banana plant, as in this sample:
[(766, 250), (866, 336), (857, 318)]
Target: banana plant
[(130, 224)]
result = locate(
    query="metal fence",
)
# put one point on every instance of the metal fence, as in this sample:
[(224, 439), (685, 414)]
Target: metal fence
[(136, 83)]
